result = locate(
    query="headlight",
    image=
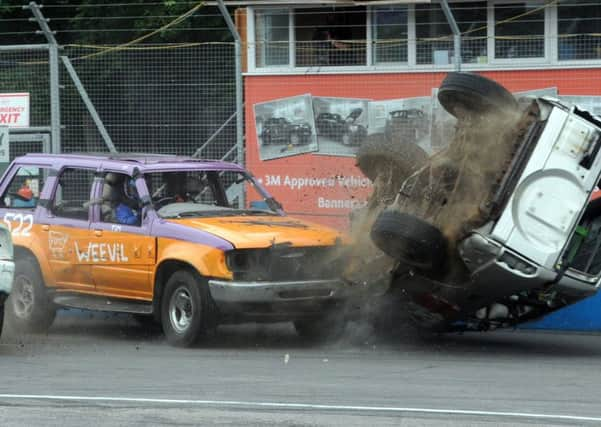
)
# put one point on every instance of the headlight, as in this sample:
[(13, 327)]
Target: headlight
[(353, 128)]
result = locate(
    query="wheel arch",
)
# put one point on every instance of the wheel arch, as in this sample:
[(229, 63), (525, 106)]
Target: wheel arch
[(162, 273), (22, 252)]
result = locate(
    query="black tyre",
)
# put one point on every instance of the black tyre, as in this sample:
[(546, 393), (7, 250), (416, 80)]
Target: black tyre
[(320, 330), (377, 155), (28, 306), (462, 93), (266, 139), (409, 239), (186, 309)]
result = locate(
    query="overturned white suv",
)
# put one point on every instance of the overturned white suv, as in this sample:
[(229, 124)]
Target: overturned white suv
[(499, 228)]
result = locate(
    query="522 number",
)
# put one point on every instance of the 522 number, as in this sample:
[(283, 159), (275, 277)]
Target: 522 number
[(23, 225)]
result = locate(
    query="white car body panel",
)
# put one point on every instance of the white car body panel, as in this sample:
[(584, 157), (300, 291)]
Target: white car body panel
[(553, 190)]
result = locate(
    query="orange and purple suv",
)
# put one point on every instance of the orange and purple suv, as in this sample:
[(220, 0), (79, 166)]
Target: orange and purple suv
[(168, 239)]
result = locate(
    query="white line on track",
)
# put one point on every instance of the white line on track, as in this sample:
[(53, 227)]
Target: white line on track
[(298, 406)]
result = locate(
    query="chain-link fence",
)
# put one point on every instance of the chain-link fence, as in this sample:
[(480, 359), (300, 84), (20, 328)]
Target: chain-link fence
[(158, 98), (171, 97), (25, 69), (320, 85)]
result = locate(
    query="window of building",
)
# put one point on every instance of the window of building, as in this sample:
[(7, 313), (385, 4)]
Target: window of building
[(579, 30), (434, 38), (519, 30), (72, 195), (330, 36), (272, 38), (471, 19), (23, 192), (390, 34)]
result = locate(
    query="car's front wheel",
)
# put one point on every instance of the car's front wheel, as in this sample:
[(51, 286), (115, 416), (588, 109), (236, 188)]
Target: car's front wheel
[(186, 309), (28, 305)]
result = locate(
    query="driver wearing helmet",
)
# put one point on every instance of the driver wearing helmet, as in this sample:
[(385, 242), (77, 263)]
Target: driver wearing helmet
[(24, 197), (126, 211)]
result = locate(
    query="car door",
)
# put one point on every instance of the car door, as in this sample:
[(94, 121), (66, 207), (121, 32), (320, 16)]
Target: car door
[(122, 255), (66, 220)]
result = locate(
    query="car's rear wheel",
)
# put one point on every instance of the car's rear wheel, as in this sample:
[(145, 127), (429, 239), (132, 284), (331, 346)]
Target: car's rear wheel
[(409, 239), (465, 93), (186, 309), (28, 305)]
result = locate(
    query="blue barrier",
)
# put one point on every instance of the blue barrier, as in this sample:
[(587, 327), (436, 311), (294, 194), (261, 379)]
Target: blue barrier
[(582, 316)]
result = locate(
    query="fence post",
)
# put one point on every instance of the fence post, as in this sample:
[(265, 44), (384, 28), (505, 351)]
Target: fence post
[(456, 33), (239, 83), (55, 103)]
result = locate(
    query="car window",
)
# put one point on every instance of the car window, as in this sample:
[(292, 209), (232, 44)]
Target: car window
[(192, 193), (120, 202), (72, 195), (23, 192)]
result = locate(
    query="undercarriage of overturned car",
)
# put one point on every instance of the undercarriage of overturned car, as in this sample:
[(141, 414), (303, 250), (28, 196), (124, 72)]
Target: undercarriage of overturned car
[(501, 227)]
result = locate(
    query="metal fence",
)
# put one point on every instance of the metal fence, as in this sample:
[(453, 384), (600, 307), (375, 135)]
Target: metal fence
[(158, 98), (175, 98)]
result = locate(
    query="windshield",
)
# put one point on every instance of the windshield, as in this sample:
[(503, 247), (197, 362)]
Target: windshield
[(191, 193)]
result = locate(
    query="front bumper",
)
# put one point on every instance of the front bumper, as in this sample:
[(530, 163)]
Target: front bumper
[(7, 272), (233, 292)]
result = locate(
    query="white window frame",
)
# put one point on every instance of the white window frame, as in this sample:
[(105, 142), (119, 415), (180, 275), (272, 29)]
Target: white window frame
[(493, 60), (549, 60), (370, 39)]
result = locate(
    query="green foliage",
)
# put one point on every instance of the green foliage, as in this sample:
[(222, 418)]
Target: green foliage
[(98, 22)]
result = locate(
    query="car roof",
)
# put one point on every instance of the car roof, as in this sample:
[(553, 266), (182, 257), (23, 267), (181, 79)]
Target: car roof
[(126, 161)]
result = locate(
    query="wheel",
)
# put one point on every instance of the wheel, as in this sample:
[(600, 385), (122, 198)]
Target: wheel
[(294, 139), (266, 139), (28, 305), (320, 330), (409, 239), (461, 93), (378, 155), (186, 309)]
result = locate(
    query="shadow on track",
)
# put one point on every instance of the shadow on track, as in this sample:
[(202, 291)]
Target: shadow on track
[(74, 328)]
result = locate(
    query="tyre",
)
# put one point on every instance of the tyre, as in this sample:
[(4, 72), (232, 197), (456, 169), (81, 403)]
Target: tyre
[(186, 309), (462, 93), (410, 240), (28, 306), (266, 139), (379, 155), (320, 330)]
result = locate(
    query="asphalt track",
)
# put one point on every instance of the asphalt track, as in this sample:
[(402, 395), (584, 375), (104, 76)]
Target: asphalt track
[(107, 370)]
